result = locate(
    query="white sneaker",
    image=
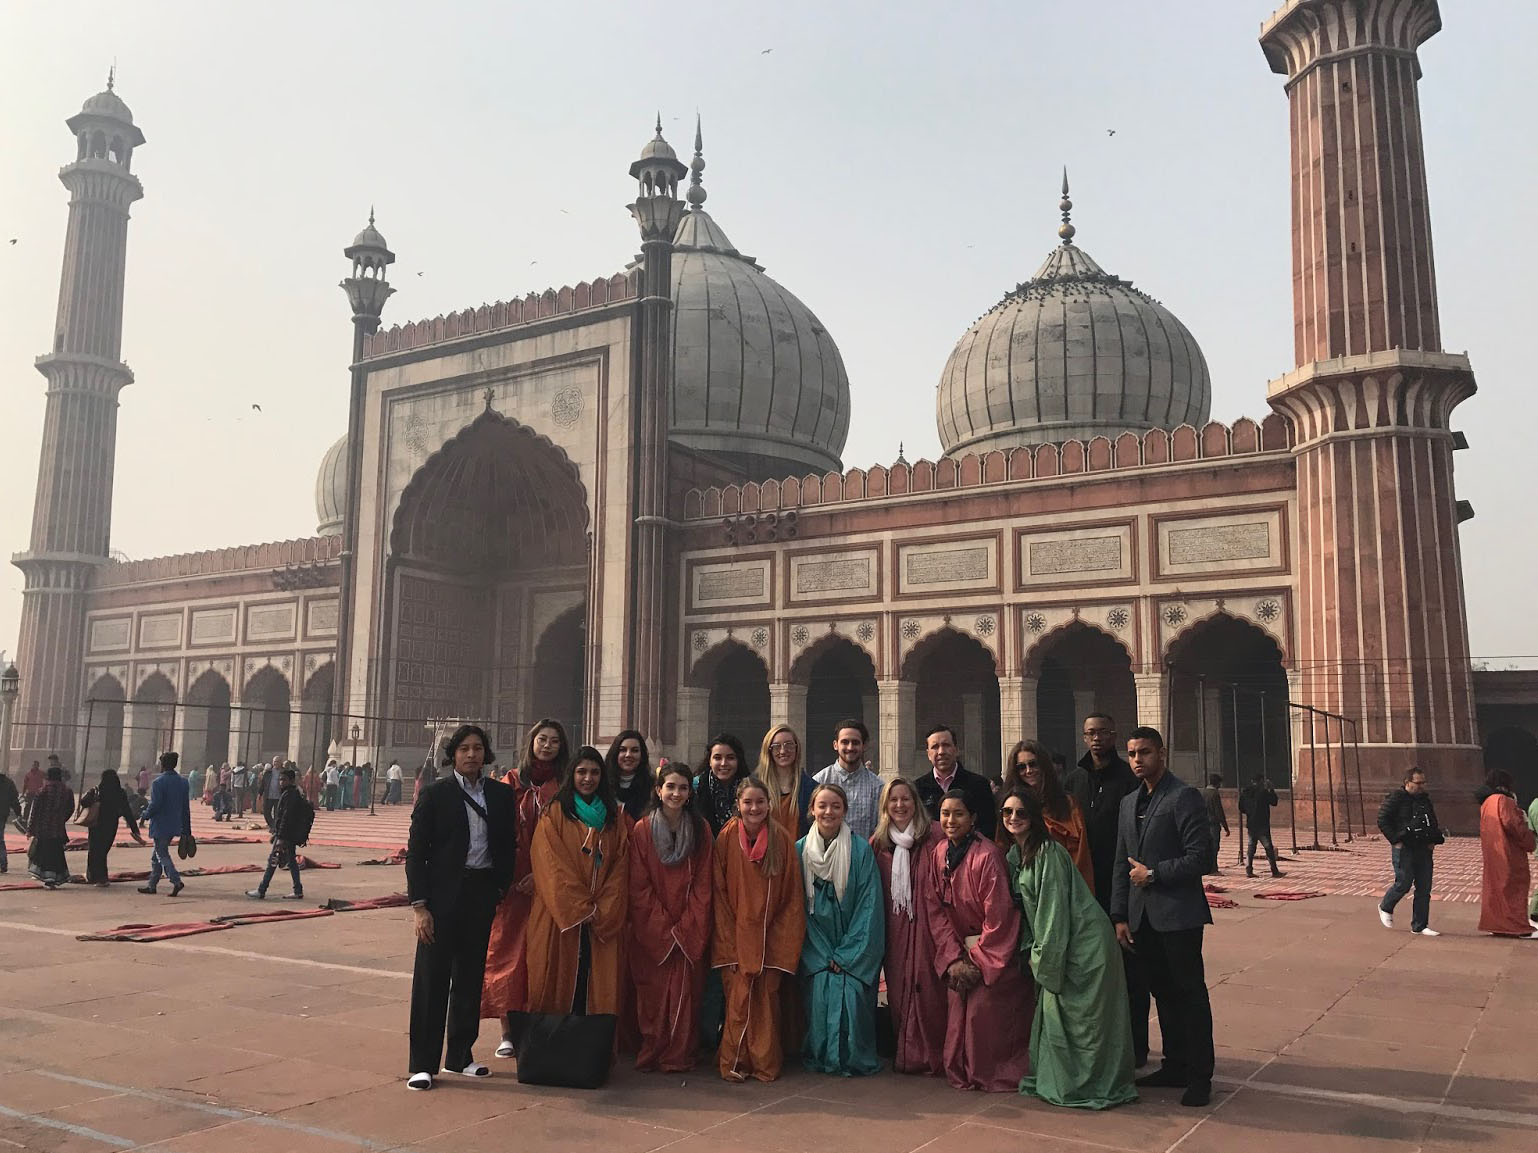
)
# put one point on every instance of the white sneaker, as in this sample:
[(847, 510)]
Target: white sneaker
[(1429, 932), (1386, 918)]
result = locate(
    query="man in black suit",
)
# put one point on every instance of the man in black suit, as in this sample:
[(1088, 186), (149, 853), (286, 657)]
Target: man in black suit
[(947, 773), (459, 863), (1159, 909)]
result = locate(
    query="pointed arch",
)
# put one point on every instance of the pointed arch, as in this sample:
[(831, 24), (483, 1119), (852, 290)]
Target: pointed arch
[(1227, 700), (315, 726), (153, 721), (840, 679), (1079, 669), (955, 678), (738, 681), (205, 734), (267, 700), (104, 715), (558, 670)]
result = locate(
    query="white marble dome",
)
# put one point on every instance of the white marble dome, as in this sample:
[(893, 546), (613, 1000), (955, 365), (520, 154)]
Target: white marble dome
[(1072, 353), (331, 490), (757, 379)]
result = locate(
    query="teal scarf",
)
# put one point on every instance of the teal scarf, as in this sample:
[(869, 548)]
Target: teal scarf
[(594, 814)]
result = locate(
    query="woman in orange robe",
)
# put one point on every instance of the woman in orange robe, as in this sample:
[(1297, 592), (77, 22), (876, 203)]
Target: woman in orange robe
[(581, 859), (1030, 766), (1506, 840), (760, 923), (671, 872), (505, 988), (780, 767)]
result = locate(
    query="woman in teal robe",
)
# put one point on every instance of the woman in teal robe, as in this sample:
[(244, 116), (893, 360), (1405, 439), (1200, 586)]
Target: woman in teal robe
[(1081, 1036), (845, 941)]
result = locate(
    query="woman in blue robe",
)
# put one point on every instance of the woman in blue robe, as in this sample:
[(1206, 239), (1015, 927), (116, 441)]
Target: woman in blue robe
[(845, 941)]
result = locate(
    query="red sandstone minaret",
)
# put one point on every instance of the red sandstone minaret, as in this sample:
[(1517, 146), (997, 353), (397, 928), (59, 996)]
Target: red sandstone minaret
[(72, 517), (1382, 633)]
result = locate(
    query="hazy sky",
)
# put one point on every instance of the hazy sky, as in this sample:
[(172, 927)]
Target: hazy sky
[(893, 166)]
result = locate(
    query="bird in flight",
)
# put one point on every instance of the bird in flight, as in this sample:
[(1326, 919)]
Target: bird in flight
[(257, 407), (419, 274), (1110, 132), (13, 240), (766, 51)]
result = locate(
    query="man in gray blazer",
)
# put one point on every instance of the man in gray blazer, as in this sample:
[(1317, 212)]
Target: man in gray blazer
[(1163, 846)]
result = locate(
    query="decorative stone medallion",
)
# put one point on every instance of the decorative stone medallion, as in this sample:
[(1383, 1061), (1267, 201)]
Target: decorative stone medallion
[(566, 407)]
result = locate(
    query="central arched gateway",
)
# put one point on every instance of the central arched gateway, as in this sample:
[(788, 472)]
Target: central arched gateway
[(487, 578)]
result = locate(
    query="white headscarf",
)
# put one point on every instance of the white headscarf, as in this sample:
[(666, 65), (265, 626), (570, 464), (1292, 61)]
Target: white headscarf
[(827, 861), (902, 868)]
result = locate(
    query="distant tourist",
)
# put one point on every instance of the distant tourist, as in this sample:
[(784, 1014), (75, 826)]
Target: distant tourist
[(1217, 820), (1506, 840), (238, 785), (291, 823), (1408, 821), (394, 781), (333, 785), (31, 786), (1256, 801), (10, 809), (49, 826), (105, 807)]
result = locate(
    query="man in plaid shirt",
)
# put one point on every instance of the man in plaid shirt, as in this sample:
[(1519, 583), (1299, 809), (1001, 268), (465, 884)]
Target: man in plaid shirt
[(49, 826), (850, 772)]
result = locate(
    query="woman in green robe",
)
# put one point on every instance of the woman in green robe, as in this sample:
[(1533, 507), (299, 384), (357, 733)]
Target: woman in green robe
[(1081, 1037), (845, 941)]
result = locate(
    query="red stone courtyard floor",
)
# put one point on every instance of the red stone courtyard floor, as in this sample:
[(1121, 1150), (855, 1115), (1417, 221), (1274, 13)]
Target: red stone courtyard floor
[(1333, 1034)]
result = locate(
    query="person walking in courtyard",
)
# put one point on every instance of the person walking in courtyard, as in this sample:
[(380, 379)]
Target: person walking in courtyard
[(850, 772), (49, 826), (210, 785), (1160, 911), (1217, 820), (106, 805), (169, 817), (759, 926), (291, 823), (1408, 821), (976, 927), (672, 861), (1256, 802), (1081, 1037), (1505, 841), (144, 780), (31, 786), (333, 779), (904, 843), (395, 780), (845, 941), (10, 809), (239, 784), (460, 857)]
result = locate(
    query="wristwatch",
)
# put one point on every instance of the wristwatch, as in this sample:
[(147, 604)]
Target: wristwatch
[(1152, 876)]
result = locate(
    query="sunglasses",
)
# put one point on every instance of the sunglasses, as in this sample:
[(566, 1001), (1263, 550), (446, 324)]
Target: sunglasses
[(1027, 764), (1014, 811)]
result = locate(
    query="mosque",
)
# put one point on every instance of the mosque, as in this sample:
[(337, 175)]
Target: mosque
[(622, 503)]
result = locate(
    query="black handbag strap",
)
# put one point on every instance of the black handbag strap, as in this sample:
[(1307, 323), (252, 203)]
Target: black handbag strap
[(476, 805)]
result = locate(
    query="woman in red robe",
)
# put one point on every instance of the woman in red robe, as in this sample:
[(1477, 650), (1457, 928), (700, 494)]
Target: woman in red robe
[(671, 870), (505, 988), (1506, 839), (759, 926), (976, 927), (581, 857), (904, 842)]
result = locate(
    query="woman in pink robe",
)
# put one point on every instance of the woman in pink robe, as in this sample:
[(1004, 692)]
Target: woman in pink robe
[(976, 929), (914, 992), (1506, 839)]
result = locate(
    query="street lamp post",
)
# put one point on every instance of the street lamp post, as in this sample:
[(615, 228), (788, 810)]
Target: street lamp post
[(10, 689), (357, 735)]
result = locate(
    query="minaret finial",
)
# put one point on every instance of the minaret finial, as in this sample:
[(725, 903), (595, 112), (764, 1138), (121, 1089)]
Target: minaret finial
[(659, 124), (371, 216), (111, 76), (696, 195), (1066, 229), (901, 459)]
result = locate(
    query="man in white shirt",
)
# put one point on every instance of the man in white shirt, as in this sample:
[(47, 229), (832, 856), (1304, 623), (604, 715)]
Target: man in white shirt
[(861, 784), (238, 788), (393, 779), (333, 785)]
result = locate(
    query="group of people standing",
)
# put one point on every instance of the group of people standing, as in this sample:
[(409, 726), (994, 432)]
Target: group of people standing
[(754, 910)]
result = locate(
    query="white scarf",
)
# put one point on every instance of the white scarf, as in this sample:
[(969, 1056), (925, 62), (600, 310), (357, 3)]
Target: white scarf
[(902, 869), (827, 861)]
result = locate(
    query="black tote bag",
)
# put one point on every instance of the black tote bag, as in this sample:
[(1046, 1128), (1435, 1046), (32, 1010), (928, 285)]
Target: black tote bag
[(564, 1050)]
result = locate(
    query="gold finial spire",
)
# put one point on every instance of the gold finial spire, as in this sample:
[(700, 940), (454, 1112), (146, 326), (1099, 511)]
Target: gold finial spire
[(1065, 230), (696, 195)]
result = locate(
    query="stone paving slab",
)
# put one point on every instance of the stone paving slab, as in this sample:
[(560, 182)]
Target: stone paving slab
[(1333, 1034)]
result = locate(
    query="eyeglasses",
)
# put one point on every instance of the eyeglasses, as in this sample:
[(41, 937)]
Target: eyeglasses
[(783, 747), (1014, 811), (1099, 732)]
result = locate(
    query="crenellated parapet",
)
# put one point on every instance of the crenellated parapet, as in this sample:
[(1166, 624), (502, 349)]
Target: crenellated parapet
[(1303, 33), (273, 555), (504, 314), (1156, 448)]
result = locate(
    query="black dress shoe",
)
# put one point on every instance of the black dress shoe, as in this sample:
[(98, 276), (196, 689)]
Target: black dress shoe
[(1197, 1094), (1139, 1060), (1163, 1078)]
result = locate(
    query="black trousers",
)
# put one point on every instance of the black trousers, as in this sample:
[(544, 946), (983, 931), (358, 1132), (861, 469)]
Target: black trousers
[(98, 845), (1172, 962), (269, 811), (1261, 837), (1138, 1002), (446, 980)]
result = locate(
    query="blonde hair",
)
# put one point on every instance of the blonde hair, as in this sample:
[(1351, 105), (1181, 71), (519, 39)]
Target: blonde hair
[(768, 772), (826, 787), (919, 826), (772, 861)]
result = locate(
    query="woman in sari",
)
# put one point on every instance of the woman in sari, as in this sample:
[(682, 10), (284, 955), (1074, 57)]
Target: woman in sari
[(904, 843), (581, 865), (505, 987), (845, 940), (671, 870), (1505, 841), (1081, 1037), (210, 785), (1030, 765), (976, 928), (759, 925)]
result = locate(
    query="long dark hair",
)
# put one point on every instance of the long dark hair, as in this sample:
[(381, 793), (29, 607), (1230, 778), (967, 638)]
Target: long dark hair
[(566, 795), (1054, 799), (645, 779), (1496, 781), (703, 795), (691, 809), (1036, 835), (562, 758)]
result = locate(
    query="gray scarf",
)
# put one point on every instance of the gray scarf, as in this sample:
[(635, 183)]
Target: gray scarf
[(672, 846)]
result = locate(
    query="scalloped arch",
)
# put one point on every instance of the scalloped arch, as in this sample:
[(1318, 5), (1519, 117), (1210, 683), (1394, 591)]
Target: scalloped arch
[(702, 671), (931, 640), (801, 667), (1036, 651), (1192, 630)]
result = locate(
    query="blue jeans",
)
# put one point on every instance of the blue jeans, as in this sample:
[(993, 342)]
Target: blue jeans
[(163, 858), (1412, 868), (272, 867)]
